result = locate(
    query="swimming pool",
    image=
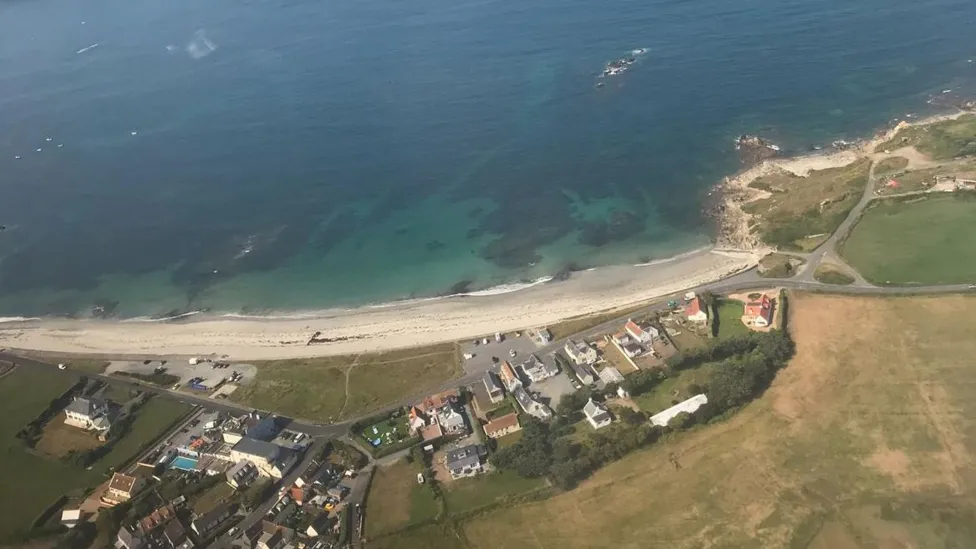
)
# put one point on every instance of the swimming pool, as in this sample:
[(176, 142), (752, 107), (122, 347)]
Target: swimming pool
[(183, 463)]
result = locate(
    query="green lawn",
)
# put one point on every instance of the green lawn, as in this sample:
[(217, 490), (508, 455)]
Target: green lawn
[(313, 389), (674, 388), (472, 493), (831, 274), (395, 500), (441, 536), (152, 419), (381, 379), (388, 426), (212, 498), (730, 314), (509, 440), (922, 242), (943, 140)]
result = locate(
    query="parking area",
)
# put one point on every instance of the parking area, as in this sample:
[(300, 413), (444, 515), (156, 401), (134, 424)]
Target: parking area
[(552, 389), (209, 373), (482, 352)]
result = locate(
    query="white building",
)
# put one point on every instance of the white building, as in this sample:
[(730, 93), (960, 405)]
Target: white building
[(610, 375), (537, 370), (86, 413), (579, 352), (596, 414), (688, 407)]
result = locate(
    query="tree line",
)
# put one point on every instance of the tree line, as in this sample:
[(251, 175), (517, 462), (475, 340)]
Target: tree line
[(746, 366)]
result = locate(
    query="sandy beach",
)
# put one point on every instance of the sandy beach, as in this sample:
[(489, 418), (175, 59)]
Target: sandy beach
[(378, 328)]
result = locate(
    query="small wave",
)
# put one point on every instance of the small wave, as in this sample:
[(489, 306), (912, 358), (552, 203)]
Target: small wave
[(506, 288), (296, 316), (18, 318), (83, 50), (162, 319), (674, 257)]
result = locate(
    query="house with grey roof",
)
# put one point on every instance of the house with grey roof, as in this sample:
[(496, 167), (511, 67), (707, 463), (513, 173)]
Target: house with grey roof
[(127, 539), (579, 352), (467, 461), (596, 414), (209, 522), (537, 370), (584, 373), (531, 406), (493, 387), (87, 413)]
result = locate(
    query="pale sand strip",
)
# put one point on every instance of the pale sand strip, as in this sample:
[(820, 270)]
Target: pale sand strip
[(393, 326)]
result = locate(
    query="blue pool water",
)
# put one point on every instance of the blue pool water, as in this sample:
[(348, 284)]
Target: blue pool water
[(183, 463)]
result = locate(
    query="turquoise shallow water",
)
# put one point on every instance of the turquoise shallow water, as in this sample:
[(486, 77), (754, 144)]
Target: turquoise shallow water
[(289, 154)]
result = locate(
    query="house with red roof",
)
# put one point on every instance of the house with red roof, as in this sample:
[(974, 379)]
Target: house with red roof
[(695, 310), (759, 312)]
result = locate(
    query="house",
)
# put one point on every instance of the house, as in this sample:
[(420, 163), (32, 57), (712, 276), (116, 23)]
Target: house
[(543, 336), (242, 474), (502, 426), (416, 420), (319, 527), (209, 522), (509, 379), (271, 540), (452, 422), (596, 414), (610, 375), (86, 413), (122, 488), (687, 407), (759, 312), (70, 517), (263, 455), (466, 461), (584, 374), (297, 494), (159, 517), (176, 536), (579, 352), (126, 539), (530, 405), (434, 404), (642, 335), (253, 425), (696, 311), (494, 388), (537, 370)]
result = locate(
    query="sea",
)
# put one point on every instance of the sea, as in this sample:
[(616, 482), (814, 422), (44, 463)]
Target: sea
[(264, 157)]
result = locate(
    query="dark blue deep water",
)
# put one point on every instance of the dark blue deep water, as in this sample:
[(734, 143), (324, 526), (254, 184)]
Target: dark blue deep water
[(260, 155)]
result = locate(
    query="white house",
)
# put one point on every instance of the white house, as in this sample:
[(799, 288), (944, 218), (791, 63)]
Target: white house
[(502, 426), (596, 414), (688, 407), (696, 311), (579, 352), (466, 461), (537, 370), (87, 413), (610, 374), (643, 335)]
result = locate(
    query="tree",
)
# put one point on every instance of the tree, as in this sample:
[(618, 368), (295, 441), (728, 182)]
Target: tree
[(631, 417)]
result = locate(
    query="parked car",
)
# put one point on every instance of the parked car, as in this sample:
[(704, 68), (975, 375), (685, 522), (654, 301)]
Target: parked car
[(62, 366)]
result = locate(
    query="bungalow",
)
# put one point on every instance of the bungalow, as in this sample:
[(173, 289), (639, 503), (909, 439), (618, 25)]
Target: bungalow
[(70, 517), (688, 407), (122, 488), (537, 370), (466, 461), (596, 414), (507, 373), (242, 474), (642, 335), (502, 426), (759, 312), (696, 311), (209, 522), (584, 374), (86, 413), (610, 375), (579, 352), (494, 388)]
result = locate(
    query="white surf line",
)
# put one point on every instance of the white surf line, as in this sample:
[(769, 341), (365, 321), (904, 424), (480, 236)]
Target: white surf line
[(83, 50)]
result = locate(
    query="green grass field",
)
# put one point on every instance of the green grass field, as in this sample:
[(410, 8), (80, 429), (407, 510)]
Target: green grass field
[(777, 265), (730, 314), (941, 141), (674, 389), (891, 165), (395, 500), (832, 274), (865, 440), (381, 379), (472, 493), (386, 430), (799, 207), (441, 536), (152, 419), (929, 241)]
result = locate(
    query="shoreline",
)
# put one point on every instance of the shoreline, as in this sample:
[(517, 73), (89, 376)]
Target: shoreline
[(380, 328)]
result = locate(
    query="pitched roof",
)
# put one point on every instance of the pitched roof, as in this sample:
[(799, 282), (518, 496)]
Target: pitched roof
[(159, 516), (465, 456), (694, 307), (491, 382), (122, 482), (761, 307), (254, 447), (594, 410), (501, 423), (507, 373), (633, 329), (207, 520), (175, 532), (438, 400), (688, 406), (82, 406)]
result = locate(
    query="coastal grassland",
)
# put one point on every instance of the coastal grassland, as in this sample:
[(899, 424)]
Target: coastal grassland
[(829, 273), (922, 179), (152, 419), (729, 321), (777, 265), (395, 500), (941, 140), (312, 388), (379, 379), (81, 364), (918, 241), (798, 207), (674, 388), (864, 440), (890, 165), (441, 536), (31, 481), (473, 493)]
